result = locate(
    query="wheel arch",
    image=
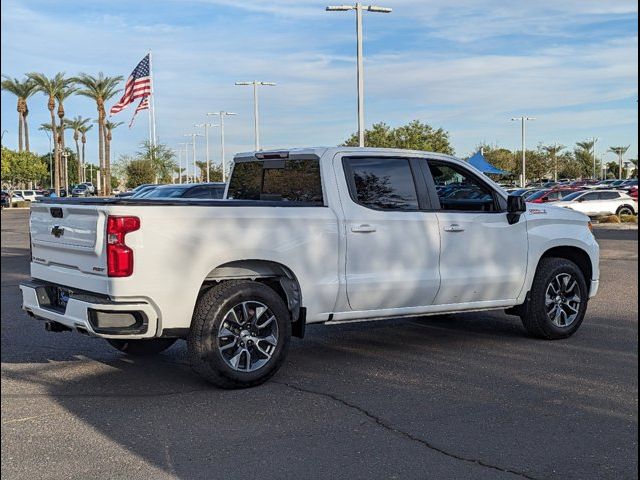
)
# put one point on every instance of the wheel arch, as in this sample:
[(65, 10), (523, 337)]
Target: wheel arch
[(575, 254), (275, 275)]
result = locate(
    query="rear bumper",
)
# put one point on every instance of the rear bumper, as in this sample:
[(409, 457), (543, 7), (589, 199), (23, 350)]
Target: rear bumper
[(91, 314)]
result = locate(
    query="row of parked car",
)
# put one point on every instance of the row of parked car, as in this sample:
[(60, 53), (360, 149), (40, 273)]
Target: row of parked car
[(211, 190), (9, 197), (607, 197)]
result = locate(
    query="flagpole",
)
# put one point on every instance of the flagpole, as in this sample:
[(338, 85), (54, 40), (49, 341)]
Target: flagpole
[(152, 110)]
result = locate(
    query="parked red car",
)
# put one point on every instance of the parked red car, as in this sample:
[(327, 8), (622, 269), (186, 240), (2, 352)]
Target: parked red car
[(633, 192), (551, 195)]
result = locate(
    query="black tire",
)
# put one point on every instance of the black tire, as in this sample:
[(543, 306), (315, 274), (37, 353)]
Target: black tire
[(203, 343), (142, 347), (625, 210), (534, 313)]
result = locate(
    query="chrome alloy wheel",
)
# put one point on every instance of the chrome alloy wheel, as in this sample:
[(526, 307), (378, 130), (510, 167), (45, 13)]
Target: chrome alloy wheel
[(562, 300), (248, 336)]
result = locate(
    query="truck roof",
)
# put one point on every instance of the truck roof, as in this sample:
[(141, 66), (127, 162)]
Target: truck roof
[(320, 151)]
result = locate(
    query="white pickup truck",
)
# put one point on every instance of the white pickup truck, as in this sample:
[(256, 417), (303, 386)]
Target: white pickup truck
[(318, 235)]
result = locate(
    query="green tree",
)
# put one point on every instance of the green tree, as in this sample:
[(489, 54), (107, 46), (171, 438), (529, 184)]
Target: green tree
[(619, 151), (552, 152), (140, 171), (76, 124), (51, 87), (215, 171), (21, 168), (99, 88), (109, 126), (83, 132), (413, 136), (583, 153), (22, 89), (161, 157)]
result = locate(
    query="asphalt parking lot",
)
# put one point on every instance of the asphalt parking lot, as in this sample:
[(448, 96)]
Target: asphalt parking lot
[(467, 396)]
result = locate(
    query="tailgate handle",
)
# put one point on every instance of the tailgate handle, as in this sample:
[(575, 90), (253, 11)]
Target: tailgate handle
[(56, 212)]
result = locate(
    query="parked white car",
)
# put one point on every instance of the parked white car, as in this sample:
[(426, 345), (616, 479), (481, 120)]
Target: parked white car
[(318, 235), (600, 202), (28, 195)]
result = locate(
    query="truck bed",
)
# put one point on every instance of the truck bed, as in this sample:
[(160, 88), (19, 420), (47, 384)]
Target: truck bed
[(126, 201)]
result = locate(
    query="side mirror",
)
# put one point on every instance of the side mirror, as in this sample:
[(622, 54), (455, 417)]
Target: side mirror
[(516, 206)]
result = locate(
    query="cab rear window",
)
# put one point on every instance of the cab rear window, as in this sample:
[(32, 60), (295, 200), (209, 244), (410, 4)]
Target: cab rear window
[(287, 180)]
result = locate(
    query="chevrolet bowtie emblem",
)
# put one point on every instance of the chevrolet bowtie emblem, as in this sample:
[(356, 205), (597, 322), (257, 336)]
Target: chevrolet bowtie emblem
[(57, 231)]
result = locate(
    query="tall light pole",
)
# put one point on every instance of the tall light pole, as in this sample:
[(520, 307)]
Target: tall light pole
[(523, 119), (358, 7), (206, 136), (256, 122), (222, 114), (181, 146), (593, 152), (193, 143)]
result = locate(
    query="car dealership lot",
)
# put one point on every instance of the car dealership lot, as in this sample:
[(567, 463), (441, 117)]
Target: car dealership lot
[(466, 396)]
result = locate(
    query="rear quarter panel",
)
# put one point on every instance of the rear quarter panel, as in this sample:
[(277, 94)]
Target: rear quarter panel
[(177, 246)]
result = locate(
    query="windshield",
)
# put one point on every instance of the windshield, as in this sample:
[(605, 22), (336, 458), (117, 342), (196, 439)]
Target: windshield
[(166, 193), (571, 196), (537, 195)]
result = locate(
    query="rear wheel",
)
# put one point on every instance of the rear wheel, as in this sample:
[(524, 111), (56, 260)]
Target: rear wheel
[(142, 347), (558, 300), (625, 210), (239, 334)]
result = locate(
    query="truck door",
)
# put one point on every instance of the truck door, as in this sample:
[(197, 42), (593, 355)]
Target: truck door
[(393, 243), (483, 258)]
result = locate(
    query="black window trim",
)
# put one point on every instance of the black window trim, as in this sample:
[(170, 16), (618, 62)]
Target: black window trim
[(270, 162), (499, 202), (422, 194)]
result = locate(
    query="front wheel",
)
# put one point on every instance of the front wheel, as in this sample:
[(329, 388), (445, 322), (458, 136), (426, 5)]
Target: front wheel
[(142, 347), (558, 300), (239, 334)]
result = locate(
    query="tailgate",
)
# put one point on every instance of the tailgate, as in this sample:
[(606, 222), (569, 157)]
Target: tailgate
[(68, 236)]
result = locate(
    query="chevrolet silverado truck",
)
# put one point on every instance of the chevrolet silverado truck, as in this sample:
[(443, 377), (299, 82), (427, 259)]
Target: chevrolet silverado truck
[(317, 235)]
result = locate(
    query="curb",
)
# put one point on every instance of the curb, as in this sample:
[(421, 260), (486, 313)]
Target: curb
[(615, 226)]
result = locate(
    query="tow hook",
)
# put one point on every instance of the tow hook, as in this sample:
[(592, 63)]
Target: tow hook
[(56, 327)]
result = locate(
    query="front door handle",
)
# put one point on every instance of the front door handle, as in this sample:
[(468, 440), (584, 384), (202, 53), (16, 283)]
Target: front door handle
[(454, 228), (364, 228)]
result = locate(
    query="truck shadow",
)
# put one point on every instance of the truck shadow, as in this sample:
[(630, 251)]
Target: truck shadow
[(410, 371)]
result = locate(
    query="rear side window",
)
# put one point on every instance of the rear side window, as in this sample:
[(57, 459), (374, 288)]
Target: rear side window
[(277, 180), (609, 195), (381, 183)]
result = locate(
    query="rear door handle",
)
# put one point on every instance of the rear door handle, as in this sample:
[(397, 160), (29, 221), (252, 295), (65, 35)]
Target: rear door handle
[(454, 228), (364, 228)]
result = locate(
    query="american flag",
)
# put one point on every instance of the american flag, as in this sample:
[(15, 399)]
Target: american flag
[(138, 85), (143, 105)]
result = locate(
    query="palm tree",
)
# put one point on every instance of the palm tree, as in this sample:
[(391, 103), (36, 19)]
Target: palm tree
[(23, 90), (51, 88), (100, 89), (552, 151), (48, 129), (619, 151), (83, 131), (75, 124), (109, 126)]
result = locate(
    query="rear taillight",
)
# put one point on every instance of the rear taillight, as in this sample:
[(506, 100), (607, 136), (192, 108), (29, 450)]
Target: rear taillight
[(119, 255)]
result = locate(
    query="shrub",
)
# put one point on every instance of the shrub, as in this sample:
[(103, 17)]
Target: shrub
[(21, 204), (609, 219), (628, 219)]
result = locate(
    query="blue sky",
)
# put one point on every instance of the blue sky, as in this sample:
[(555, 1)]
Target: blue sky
[(464, 65)]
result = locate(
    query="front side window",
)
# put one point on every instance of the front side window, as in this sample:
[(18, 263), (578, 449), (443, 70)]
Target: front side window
[(590, 196), (382, 183), (277, 180), (460, 190)]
